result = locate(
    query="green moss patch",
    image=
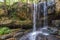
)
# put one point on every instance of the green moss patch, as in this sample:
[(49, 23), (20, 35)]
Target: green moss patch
[(4, 30)]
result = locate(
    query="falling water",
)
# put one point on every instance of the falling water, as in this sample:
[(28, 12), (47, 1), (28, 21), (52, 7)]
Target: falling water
[(33, 37), (34, 16), (46, 4), (44, 31), (45, 14)]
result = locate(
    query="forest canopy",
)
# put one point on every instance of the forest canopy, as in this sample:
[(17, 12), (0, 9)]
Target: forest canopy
[(10, 2)]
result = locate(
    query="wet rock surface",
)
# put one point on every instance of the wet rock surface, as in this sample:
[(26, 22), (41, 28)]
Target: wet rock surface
[(11, 39), (12, 35), (57, 5), (42, 37), (18, 33)]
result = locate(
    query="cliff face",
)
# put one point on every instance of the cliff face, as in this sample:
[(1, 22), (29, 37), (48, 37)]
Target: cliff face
[(58, 5)]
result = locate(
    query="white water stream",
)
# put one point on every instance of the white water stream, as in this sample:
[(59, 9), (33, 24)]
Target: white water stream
[(44, 30)]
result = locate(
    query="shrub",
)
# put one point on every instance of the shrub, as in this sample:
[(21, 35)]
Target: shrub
[(4, 30)]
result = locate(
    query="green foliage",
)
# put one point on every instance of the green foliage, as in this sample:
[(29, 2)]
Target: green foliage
[(19, 12), (4, 30), (23, 1)]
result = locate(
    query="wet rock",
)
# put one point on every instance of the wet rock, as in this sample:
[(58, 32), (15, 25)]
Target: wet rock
[(58, 37), (17, 32), (12, 23), (57, 5), (2, 12), (59, 33), (14, 33), (5, 20), (24, 23), (5, 36), (19, 35), (56, 23), (11, 39)]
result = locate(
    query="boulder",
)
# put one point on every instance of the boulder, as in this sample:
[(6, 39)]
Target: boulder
[(2, 12), (5, 20), (14, 33), (11, 39), (58, 5), (25, 22)]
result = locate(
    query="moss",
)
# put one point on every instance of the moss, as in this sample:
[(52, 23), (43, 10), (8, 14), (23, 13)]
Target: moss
[(4, 30)]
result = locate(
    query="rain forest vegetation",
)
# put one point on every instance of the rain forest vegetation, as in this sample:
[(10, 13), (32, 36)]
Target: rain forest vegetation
[(16, 12)]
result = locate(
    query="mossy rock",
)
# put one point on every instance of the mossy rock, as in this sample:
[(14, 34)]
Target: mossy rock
[(2, 12), (57, 6), (5, 20), (4, 30), (25, 22)]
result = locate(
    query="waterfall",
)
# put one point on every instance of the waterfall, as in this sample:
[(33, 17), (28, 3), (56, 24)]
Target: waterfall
[(45, 14), (34, 16), (33, 37), (43, 31)]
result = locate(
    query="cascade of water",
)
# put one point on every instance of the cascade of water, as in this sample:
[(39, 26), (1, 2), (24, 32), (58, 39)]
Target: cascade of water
[(47, 3), (34, 16), (44, 31), (33, 37), (45, 14), (50, 2)]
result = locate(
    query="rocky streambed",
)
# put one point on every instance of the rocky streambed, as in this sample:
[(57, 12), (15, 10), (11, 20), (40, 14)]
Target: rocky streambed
[(14, 35)]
